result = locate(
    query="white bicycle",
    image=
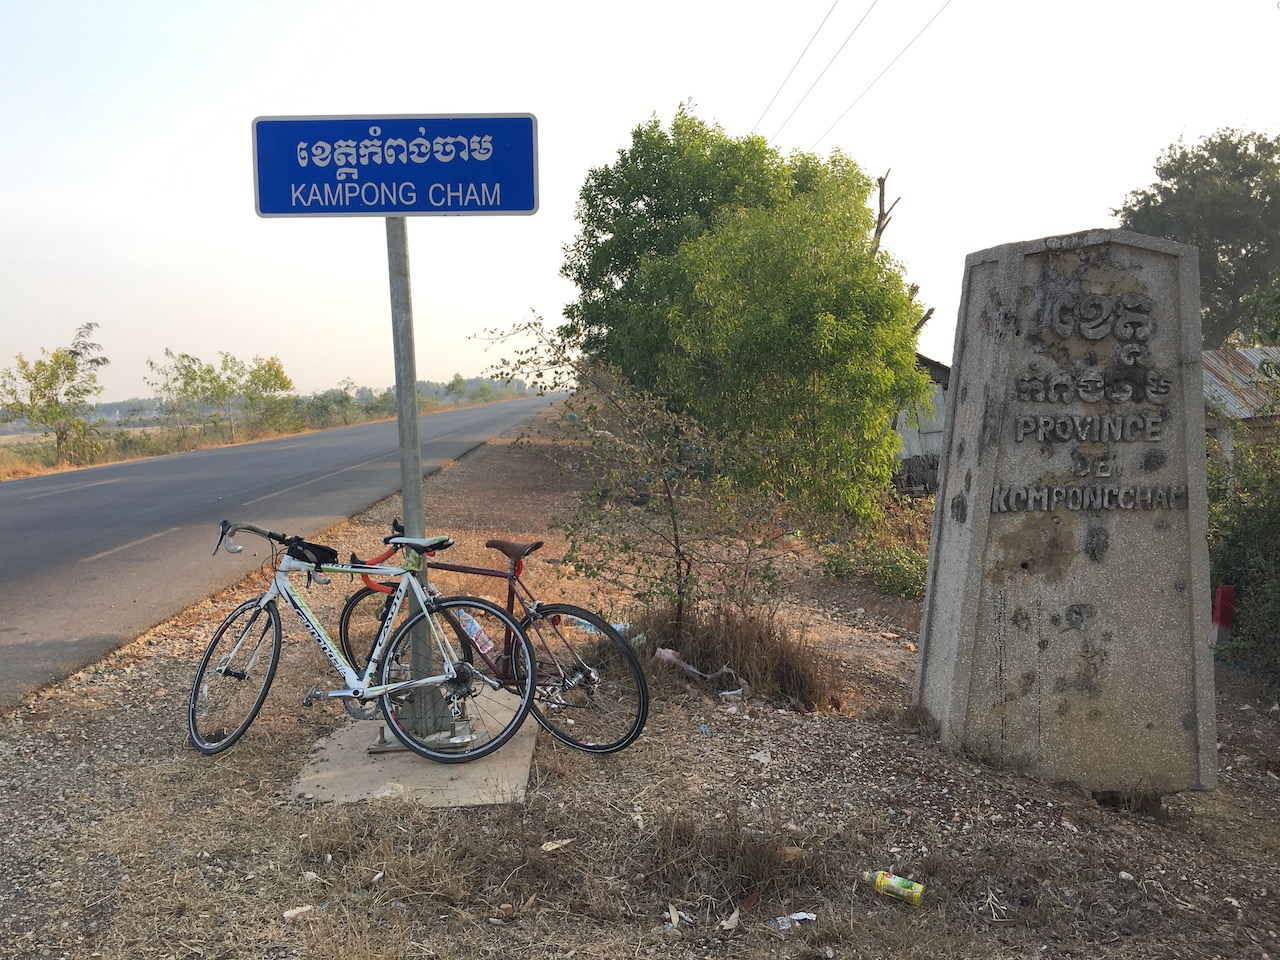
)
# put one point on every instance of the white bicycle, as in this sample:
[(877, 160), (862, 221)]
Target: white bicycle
[(451, 680)]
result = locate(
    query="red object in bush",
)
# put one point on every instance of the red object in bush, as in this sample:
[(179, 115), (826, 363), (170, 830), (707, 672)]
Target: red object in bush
[(1224, 606)]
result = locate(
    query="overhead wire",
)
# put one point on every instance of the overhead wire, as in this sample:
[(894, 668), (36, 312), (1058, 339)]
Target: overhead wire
[(796, 64), (881, 74), (825, 69)]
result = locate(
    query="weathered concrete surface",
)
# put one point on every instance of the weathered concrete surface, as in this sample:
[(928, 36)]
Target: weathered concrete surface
[(1066, 624), (361, 761)]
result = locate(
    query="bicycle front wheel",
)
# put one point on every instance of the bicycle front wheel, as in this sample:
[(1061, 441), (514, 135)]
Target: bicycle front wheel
[(469, 715), (590, 691), (234, 677)]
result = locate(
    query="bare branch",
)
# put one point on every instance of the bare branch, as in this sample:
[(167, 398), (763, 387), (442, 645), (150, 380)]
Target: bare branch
[(923, 320), (884, 217)]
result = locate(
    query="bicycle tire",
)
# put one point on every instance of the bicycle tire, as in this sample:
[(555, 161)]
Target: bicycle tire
[(359, 623), (590, 690), (476, 712), (232, 681)]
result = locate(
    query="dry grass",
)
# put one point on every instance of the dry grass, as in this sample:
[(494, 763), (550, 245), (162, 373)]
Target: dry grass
[(770, 654)]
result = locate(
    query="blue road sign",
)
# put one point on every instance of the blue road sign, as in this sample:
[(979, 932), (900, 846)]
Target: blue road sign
[(397, 166)]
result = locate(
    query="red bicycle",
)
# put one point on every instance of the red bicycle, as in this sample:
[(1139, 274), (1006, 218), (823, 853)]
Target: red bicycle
[(590, 690)]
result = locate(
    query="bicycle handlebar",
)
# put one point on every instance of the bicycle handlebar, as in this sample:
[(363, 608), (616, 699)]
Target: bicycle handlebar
[(229, 530)]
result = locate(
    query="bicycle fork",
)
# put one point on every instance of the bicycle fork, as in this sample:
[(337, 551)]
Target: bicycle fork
[(224, 665)]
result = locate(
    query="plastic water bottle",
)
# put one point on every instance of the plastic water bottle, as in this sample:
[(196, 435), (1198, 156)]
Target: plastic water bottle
[(474, 631), (894, 886)]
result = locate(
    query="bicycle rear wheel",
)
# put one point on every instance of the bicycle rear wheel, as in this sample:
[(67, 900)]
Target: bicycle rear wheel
[(234, 676), (590, 691), (359, 623), (474, 713)]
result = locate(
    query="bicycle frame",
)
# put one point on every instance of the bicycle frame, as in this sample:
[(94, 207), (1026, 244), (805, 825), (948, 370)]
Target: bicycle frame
[(517, 593), (575, 649), (361, 686), (516, 589)]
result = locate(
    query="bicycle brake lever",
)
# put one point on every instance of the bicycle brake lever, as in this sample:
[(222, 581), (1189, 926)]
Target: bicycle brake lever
[(231, 547)]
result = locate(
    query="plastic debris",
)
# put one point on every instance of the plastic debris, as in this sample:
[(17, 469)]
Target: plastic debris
[(674, 918), (784, 924), (665, 656)]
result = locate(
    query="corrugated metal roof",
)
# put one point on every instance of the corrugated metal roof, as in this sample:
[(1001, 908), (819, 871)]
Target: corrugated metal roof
[(1231, 381)]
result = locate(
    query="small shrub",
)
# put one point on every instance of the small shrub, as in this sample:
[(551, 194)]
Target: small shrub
[(893, 557), (1244, 541)]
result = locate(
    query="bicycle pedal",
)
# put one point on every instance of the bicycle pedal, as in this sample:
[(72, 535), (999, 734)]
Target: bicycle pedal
[(312, 696)]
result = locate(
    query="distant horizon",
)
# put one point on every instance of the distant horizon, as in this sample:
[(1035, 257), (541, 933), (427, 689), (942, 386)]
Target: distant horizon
[(134, 204)]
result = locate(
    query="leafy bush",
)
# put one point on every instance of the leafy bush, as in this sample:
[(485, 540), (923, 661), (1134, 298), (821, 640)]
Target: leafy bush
[(1244, 543), (894, 556)]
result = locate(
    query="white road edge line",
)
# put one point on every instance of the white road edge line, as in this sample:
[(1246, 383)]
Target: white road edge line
[(305, 483), (363, 463), (126, 546), (83, 486)]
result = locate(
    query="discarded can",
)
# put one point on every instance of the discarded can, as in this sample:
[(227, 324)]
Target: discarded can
[(892, 885)]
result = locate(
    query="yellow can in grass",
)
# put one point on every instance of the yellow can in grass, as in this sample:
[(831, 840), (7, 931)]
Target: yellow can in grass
[(894, 886)]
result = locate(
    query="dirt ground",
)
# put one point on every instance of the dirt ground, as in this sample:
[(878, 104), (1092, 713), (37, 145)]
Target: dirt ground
[(119, 841)]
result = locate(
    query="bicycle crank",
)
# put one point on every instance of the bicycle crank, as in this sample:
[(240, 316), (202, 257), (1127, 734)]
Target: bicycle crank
[(363, 709)]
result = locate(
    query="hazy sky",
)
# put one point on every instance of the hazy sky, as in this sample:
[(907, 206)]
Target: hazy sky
[(127, 194)]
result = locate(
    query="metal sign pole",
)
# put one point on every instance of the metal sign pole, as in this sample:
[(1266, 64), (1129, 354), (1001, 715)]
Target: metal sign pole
[(406, 378), (429, 713)]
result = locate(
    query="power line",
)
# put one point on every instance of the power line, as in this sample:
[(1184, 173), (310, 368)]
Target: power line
[(881, 74), (825, 69), (797, 63)]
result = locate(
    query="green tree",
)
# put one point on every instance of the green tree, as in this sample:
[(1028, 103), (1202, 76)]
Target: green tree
[(788, 326), (481, 391), (662, 518), (376, 406), (265, 388), (194, 395), (336, 404), (53, 394), (1244, 542), (456, 388), (751, 292), (344, 399), (178, 385), (663, 190), (222, 387), (1262, 308), (1223, 196)]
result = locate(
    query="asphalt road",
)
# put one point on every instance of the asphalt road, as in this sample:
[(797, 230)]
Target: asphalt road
[(92, 558)]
